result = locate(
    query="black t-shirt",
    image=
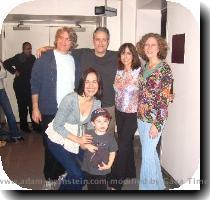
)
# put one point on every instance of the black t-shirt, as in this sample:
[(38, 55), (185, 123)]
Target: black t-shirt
[(106, 66), (106, 143)]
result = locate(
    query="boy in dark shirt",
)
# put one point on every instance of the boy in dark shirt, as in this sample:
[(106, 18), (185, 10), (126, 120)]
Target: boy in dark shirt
[(98, 164)]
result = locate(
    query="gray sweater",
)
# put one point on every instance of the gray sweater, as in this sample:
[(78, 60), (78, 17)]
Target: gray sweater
[(68, 112)]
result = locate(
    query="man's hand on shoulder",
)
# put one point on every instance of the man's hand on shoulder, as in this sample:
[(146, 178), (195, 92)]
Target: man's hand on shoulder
[(42, 50)]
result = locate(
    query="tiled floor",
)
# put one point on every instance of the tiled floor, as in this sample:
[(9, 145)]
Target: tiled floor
[(23, 163)]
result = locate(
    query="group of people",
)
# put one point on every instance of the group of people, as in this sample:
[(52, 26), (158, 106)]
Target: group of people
[(79, 96), (136, 95)]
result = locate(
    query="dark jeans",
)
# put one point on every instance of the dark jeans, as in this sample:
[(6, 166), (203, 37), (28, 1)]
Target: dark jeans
[(124, 164), (52, 168), (24, 102), (96, 182), (71, 162), (6, 106)]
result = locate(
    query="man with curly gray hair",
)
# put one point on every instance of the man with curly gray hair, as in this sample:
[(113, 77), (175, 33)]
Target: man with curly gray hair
[(52, 78)]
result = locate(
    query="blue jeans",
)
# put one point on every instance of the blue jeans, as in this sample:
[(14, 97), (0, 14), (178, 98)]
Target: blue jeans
[(6, 106), (150, 174), (71, 162)]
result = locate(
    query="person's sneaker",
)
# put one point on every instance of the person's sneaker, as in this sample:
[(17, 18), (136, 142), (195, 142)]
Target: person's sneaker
[(60, 179)]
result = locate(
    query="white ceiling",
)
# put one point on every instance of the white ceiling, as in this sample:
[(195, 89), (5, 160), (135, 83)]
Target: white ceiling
[(59, 19), (51, 19)]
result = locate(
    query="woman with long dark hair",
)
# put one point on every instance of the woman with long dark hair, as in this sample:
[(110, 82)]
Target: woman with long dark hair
[(67, 144), (126, 101)]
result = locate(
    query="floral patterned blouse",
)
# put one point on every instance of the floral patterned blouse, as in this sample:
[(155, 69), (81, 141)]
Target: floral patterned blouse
[(127, 90), (155, 94)]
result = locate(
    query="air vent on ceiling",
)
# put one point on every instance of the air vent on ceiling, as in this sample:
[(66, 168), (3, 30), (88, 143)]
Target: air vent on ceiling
[(21, 27)]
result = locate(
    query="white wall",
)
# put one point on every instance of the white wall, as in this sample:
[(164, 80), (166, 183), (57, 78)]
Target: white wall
[(181, 137), (58, 7), (114, 25), (128, 21), (147, 21)]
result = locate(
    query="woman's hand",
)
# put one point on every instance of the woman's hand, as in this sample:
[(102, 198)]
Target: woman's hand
[(36, 115), (143, 108), (90, 148), (85, 139), (153, 132), (118, 83)]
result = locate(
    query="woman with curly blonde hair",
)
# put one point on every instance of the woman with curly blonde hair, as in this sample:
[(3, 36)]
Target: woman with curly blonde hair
[(155, 83)]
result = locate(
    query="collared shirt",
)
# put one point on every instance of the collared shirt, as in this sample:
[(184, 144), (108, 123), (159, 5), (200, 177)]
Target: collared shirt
[(65, 74), (126, 96)]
